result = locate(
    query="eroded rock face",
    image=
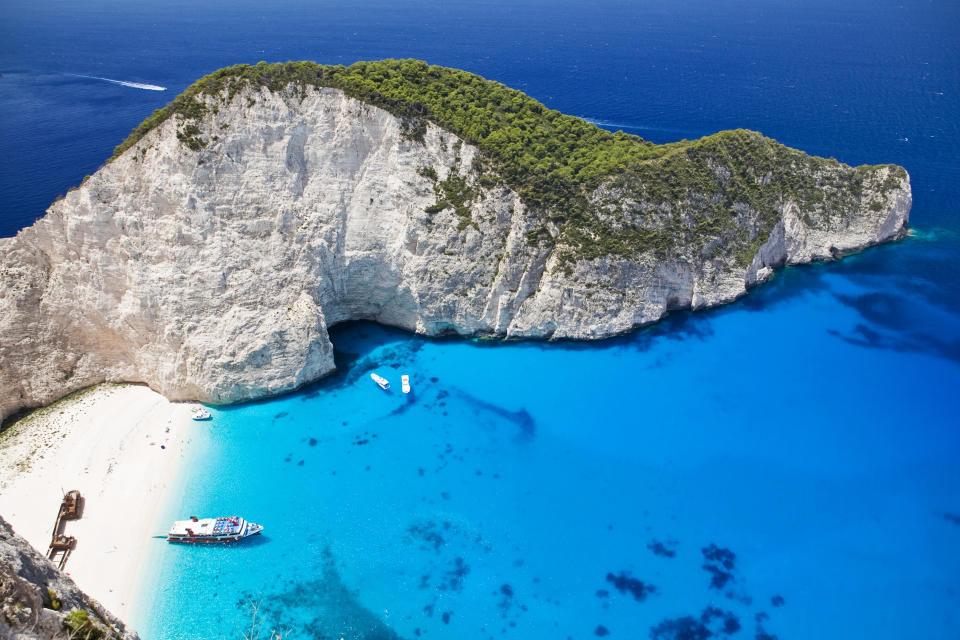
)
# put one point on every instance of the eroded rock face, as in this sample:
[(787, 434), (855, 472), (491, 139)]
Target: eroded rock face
[(35, 597), (213, 275)]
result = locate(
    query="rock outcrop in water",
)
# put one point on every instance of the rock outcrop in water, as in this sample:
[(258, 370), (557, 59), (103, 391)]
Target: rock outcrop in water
[(37, 602), (209, 258)]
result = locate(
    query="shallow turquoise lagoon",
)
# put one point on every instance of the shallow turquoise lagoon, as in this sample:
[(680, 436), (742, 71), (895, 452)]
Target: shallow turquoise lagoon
[(810, 430), (567, 490)]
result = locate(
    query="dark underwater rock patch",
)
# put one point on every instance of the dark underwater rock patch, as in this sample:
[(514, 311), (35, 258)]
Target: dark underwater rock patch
[(883, 309), (406, 406), (601, 631), (328, 608), (777, 601), (903, 342), (625, 583), (662, 549), (719, 621), (429, 534), (454, 578), (761, 632), (722, 556), (952, 517), (521, 418), (685, 628), (361, 440), (719, 578), (712, 622), (717, 557), (506, 600)]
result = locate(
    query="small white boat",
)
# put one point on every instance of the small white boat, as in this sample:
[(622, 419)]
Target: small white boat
[(381, 381), (199, 413), (405, 383)]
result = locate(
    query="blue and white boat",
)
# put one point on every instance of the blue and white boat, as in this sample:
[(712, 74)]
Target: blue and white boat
[(210, 530)]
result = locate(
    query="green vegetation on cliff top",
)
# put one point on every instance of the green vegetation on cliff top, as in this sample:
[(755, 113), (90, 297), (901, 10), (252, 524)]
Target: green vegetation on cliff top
[(556, 161)]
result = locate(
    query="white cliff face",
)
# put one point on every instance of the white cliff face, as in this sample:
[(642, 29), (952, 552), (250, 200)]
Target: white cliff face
[(214, 275)]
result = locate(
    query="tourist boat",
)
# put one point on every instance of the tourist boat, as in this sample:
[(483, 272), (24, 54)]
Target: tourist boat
[(381, 381), (209, 530), (405, 383), (199, 413)]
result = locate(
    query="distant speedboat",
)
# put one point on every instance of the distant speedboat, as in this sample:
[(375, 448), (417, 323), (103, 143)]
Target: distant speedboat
[(405, 383), (209, 530), (199, 413), (381, 381)]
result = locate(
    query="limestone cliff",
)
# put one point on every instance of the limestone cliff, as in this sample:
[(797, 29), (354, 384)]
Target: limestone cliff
[(209, 258), (37, 602)]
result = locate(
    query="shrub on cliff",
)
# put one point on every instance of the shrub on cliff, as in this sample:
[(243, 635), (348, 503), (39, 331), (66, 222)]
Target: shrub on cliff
[(555, 161)]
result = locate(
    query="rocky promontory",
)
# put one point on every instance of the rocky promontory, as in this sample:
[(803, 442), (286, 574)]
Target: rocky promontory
[(38, 602), (208, 258)]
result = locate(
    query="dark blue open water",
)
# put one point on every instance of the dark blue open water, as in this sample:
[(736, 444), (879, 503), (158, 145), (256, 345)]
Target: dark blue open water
[(567, 491)]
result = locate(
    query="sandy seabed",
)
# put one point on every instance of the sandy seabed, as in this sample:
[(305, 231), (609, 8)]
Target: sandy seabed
[(123, 447)]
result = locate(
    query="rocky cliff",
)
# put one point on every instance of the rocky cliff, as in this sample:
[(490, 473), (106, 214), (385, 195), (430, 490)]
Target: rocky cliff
[(37, 602), (211, 255)]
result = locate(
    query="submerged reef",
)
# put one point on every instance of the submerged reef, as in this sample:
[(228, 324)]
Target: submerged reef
[(720, 564), (625, 583), (712, 622), (320, 609), (661, 549)]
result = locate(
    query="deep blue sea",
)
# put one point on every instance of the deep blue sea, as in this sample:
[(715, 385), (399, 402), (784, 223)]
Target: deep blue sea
[(787, 466)]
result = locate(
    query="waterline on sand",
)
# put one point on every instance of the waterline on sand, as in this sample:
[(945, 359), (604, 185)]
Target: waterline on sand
[(124, 448)]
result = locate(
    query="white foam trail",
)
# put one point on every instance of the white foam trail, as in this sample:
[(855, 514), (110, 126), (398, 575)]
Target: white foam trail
[(123, 83), (635, 127)]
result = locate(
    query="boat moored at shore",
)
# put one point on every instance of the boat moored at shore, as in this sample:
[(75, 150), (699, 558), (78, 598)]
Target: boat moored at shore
[(211, 530), (199, 413)]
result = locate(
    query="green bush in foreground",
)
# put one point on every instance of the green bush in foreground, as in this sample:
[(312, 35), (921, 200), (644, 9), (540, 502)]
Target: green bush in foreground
[(80, 626)]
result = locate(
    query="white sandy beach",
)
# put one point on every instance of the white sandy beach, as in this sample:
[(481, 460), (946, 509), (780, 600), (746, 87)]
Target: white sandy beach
[(122, 447)]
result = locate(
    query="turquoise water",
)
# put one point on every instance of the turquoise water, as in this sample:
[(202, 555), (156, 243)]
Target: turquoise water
[(497, 498), (809, 432)]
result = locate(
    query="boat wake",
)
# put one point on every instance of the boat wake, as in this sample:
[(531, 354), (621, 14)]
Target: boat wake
[(123, 83), (633, 127)]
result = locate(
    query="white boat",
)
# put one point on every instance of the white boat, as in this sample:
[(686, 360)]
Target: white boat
[(199, 530), (381, 381), (405, 383), (199, 413)]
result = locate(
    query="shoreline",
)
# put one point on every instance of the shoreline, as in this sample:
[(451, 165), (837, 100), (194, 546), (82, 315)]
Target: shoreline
[(123, 447)]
